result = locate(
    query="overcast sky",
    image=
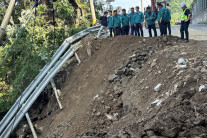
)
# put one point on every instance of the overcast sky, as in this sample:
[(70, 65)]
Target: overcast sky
[(130, 3)]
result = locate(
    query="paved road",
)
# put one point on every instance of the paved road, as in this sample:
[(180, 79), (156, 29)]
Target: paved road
[(197, 31)]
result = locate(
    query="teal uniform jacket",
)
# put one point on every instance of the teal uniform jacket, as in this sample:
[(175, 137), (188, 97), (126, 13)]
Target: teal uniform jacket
[(139, 17), (132, 18), (116, 21), (125, 19), (110, 21), (168, 14), (151, 16), (163, 13)]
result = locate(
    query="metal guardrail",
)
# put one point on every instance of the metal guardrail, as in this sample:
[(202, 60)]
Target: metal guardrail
[(31, 93)]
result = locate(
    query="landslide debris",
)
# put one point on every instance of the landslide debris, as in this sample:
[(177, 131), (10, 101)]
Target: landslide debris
[(133, 87)]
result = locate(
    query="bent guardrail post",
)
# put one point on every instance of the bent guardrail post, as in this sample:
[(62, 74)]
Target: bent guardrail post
[(56, 93), (31, 125)]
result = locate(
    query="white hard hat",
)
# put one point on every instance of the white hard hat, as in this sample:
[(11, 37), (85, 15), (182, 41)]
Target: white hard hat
[(182, 4)]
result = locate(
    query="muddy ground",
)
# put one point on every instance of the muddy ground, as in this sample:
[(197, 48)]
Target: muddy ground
[(128, 87)]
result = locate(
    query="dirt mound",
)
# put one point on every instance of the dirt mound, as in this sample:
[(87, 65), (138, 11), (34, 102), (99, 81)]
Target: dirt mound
[(133, 87)]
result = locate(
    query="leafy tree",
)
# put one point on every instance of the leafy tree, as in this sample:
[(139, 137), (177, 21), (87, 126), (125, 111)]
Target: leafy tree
[(33, 50)]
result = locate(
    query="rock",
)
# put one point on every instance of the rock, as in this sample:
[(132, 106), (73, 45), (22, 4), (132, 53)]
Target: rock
[(135, 65), (157, 88), (120, 71), (108, 109), (205, 63), (111, 78), (127, 62), (182, 61), (93, 110), (109, 117), (124, 134), (90, 133), (202, 87), (156, 102), (204, 70), (169, 43), (144, 40), (165, 39), (143, 54), (124, 81), (133, 56), (182, 66), (150, 133), (118, 93), (153, 63), (119, 104), (101, 122), (199, 121), (98, 113)]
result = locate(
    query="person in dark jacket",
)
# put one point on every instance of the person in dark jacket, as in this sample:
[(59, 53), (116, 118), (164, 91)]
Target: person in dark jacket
[(104, 25)]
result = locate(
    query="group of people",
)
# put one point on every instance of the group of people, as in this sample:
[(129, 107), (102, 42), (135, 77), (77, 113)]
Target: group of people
[(125, 24)]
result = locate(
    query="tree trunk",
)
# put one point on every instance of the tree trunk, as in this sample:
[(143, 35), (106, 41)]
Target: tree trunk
[(92, 11)]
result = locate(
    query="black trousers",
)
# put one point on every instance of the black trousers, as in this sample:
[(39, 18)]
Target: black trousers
[(150, 28), (133, 30), (139, 28), (169, 27), (184, 28), (111, 31), (125, 30), (163, 28), (116, 31)]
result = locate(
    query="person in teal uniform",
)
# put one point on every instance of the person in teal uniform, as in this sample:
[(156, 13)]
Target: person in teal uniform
[(150, 18), (169, 20), (132, 23), (125, 22), (116, 23), (162, 19), (110, 23), (139, 19)]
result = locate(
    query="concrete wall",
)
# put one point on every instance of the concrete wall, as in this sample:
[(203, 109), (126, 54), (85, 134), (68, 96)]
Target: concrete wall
[(199, 11), (200, 18)]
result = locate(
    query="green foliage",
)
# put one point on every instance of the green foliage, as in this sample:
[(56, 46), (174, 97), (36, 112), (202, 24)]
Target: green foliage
[(2, 11), (64, 9), (28, 56)]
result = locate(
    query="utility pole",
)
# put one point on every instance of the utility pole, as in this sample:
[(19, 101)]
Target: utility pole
[(6, 18), (92, 11)]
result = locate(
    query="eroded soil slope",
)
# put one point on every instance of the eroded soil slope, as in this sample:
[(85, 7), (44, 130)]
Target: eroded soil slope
[(133, 87)]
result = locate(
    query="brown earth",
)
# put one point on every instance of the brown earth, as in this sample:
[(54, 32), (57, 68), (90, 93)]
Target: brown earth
[(111, 93)]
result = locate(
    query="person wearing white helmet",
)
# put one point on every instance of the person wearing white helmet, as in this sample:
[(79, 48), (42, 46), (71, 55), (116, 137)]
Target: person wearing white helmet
[(185, 21)]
